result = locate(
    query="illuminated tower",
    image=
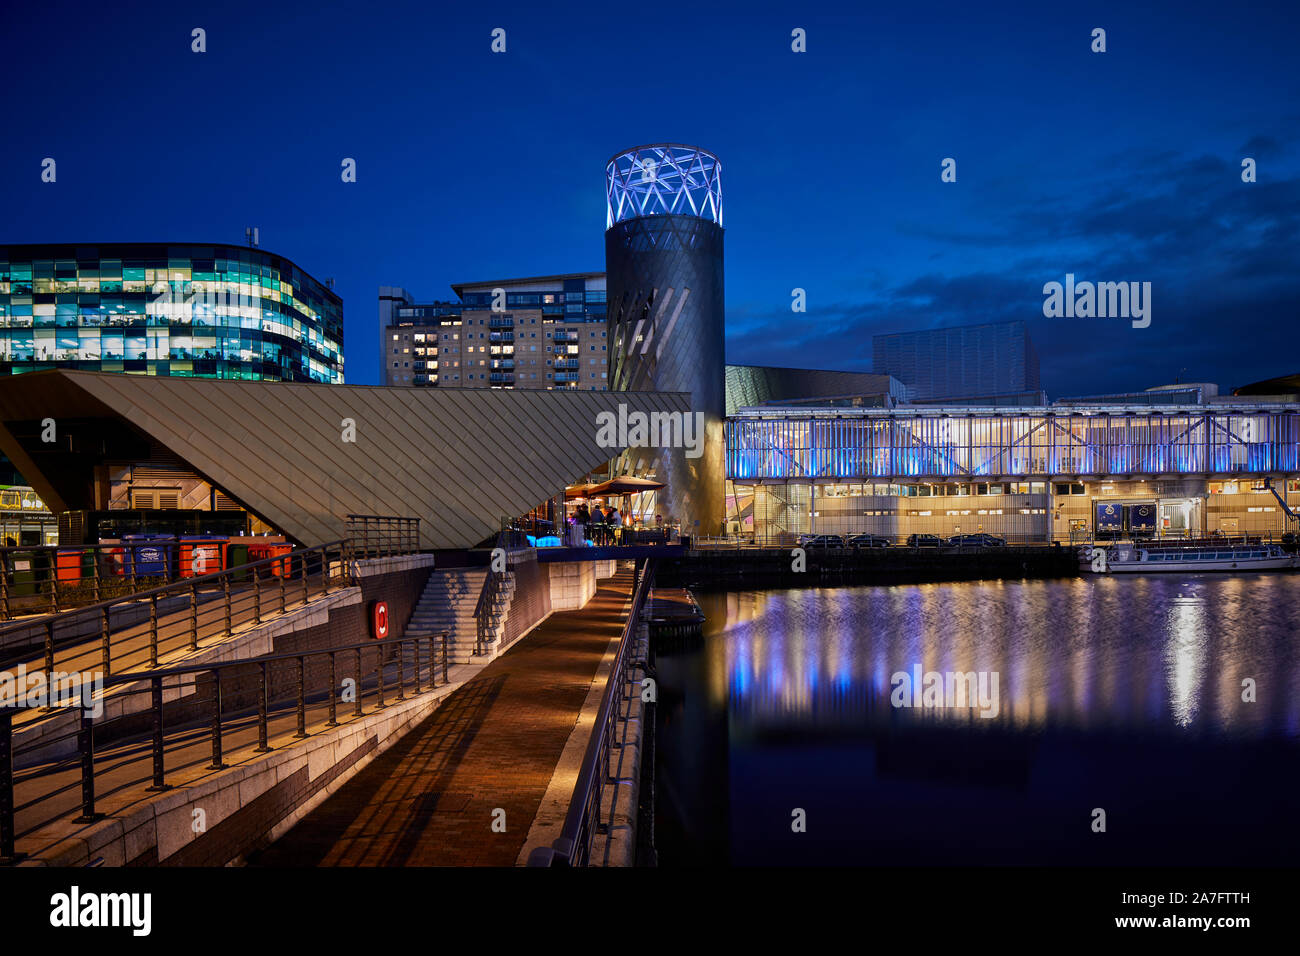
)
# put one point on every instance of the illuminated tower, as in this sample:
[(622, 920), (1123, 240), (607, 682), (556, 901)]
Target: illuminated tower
[(663, 264)]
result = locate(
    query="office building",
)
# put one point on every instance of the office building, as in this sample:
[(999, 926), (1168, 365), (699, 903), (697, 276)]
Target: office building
[(170, 309)]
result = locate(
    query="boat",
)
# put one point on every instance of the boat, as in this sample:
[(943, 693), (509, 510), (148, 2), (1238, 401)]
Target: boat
[(1127, 558)]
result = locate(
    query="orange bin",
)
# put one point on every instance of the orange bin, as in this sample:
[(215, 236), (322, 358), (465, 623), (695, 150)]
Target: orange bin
[(72, 564), (260, 552), (202, 554)]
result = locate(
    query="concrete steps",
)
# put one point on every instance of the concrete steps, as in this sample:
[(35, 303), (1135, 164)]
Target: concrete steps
[(448, 604)]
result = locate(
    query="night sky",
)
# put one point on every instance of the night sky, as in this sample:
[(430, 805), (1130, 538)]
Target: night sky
[(1124, 165)]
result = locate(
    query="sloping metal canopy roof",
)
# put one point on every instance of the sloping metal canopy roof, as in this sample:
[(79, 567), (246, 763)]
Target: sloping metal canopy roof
[(458, 459)]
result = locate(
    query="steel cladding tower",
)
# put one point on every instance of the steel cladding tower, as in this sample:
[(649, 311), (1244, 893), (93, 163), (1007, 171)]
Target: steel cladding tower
[(663, 264)]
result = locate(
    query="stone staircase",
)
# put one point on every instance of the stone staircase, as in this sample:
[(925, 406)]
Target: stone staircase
[(448, 603)]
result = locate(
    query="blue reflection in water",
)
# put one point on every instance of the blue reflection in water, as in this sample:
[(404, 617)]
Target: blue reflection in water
[(1119, 692)]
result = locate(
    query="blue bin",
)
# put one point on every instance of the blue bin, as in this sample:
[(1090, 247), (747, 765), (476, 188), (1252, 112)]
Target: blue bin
[(149, 555)]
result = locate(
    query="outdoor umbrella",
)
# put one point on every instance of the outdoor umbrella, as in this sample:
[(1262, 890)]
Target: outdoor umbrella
[(625, 485)]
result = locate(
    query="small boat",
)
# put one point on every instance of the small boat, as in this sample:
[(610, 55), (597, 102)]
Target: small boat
[(1125, 558)]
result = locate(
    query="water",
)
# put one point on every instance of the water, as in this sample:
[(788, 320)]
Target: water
[(1119, 694)]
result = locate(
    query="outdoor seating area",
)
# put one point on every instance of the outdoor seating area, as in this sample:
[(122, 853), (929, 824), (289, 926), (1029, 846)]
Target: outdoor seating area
[(620, 511)]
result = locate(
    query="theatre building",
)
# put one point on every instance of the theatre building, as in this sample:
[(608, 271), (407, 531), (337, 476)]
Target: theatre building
[(1032, 474)]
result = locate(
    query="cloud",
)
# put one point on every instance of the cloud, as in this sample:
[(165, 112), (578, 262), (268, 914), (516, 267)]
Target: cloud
[(1220, 254)]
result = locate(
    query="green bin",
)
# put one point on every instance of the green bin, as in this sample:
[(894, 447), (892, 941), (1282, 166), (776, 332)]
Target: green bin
[(26, 579), (236, 554)]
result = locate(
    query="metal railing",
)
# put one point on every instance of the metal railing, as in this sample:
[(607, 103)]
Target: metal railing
[(509, 539), (50, 578), (381, 536), (242, 696), (485, 609), (136, 629), (582, 821)]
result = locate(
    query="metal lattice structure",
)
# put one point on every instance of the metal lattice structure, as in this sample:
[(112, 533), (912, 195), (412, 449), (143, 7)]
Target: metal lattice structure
[(1110, 442), (663, 179)]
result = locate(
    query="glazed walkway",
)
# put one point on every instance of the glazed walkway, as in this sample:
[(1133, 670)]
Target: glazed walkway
[(493, 744)]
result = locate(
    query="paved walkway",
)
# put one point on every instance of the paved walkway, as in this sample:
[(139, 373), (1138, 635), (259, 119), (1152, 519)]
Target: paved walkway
[(494, 744)]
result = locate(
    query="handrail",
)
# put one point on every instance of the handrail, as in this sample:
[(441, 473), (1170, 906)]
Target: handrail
[(92, 623), (573, 846), (487, 596), (383, 535), (154, 678)]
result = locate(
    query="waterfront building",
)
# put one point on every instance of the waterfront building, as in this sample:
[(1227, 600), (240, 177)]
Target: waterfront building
[(183, 310), (959, 362), (538, 332), (172, 309), (664, 266), (1028, 474), (186, 455)]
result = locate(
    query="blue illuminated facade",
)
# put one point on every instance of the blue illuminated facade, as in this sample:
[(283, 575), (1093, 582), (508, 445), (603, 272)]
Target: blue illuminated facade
[(960, 443), (1028, 475)]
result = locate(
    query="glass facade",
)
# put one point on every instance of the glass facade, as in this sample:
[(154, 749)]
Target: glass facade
[(1040, 443), (215, 311)]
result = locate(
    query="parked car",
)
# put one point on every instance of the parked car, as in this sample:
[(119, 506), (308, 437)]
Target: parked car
[(924, 541), (980, 540), (822, 541), (868, 541)]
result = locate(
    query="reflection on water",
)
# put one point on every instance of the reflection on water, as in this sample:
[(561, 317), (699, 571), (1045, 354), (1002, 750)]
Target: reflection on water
[(1130, 686), (1146, 653)]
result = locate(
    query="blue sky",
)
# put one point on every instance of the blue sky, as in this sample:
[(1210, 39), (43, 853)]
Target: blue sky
[(473, 165)]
